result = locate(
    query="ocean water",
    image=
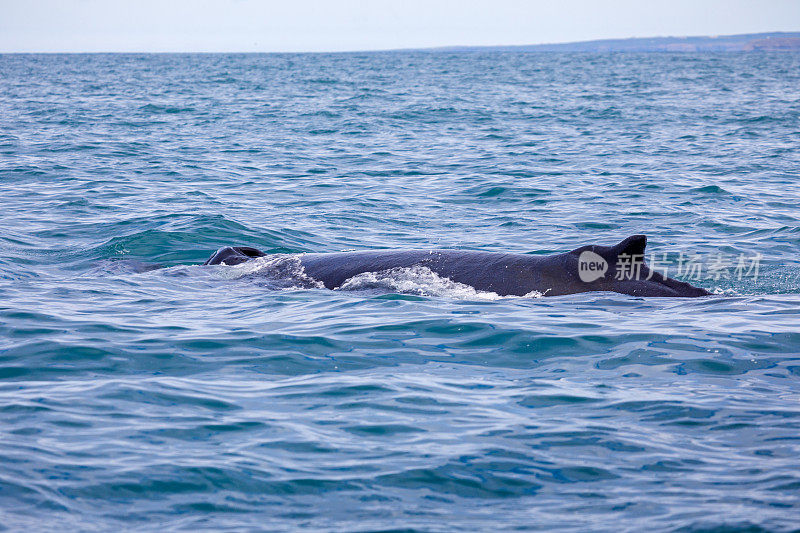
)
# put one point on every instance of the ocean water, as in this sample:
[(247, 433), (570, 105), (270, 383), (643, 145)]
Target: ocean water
[(142, 391)]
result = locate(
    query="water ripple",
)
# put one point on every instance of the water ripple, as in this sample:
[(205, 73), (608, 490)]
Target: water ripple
[(141, 390)]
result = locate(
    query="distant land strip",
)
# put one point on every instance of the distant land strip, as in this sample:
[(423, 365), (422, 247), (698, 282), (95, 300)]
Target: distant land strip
[(746, 42)]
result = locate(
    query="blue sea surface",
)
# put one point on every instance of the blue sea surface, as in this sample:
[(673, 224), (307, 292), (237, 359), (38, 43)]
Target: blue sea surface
[(140, 390)]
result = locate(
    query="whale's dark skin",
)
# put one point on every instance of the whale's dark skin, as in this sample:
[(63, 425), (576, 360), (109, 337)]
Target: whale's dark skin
[(501, 273)]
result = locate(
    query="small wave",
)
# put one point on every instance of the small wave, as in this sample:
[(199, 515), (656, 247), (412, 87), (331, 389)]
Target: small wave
[(156, 109), (710, 189)]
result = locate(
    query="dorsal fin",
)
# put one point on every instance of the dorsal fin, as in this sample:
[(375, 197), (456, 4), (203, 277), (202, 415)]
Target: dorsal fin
[(633, 245)]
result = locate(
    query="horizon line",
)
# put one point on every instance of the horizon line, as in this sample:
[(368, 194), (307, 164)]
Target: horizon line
[(437, 48)]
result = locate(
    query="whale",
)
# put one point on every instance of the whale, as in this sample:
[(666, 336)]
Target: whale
[(616, 268)]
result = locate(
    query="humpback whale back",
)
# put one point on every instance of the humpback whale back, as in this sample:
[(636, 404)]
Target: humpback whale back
[(619, 268)]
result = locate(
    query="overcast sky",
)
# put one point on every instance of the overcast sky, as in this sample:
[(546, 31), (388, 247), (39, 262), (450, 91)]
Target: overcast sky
[(317, 25)]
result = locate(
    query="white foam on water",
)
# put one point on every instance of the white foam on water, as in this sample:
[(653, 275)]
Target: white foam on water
[(284, 268), (420, 281)]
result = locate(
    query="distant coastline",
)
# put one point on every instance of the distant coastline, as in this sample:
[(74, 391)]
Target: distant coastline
[(746, 42), (785, 41)]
